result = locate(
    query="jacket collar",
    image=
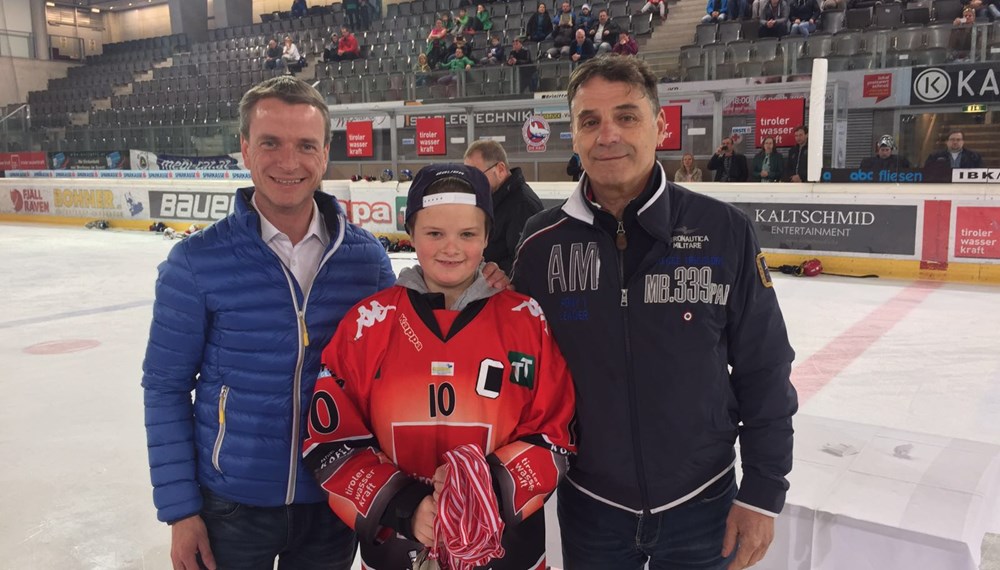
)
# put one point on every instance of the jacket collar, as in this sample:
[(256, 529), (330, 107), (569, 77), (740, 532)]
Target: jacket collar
[(654, 216), (333, 216), (514, 180)]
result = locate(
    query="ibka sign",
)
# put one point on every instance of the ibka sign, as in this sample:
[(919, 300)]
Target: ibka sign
[(976, 175), (672, 128), (430, 136), (966, 84), (778, 118), (359, 139), (185, 205), (23, 161)]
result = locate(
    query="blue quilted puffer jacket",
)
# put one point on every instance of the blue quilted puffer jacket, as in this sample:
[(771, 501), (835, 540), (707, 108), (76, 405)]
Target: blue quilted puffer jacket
[(230, 322)]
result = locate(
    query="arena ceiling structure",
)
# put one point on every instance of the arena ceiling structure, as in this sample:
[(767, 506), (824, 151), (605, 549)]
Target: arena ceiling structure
[(110, 5)]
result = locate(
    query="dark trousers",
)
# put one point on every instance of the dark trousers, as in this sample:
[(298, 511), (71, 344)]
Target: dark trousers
[(597, 536), (300, 536)]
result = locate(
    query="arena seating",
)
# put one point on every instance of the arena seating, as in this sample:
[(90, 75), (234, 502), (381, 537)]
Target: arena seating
[(136, 93)]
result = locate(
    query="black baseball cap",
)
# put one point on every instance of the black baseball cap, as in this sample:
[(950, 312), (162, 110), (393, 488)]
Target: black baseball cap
[(469, 176)]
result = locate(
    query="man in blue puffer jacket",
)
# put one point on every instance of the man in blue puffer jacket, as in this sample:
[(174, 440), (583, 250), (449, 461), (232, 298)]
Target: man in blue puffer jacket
[(242, 313)]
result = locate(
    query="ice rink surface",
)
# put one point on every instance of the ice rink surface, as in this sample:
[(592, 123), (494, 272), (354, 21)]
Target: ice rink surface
[(75, 307)]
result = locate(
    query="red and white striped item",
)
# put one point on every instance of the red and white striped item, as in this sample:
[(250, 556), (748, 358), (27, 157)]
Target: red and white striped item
[(468, 525)]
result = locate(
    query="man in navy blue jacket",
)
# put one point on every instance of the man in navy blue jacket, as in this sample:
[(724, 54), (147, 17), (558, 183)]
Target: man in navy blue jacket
[(242, 313), (663, 306)]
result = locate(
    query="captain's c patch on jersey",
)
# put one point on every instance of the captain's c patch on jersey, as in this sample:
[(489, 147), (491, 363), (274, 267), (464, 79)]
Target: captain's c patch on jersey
[(765, 274)]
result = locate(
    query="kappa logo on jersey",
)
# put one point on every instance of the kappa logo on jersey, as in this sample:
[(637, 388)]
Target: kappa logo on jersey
[(369, 316), (522, 369), (410, 333), (535, 309)]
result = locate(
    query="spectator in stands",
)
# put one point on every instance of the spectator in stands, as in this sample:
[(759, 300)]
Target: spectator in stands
[(955, 155), (448, 22), (291, 56), (485, 18), (347, 47), (421, 70), (462, 22), (960, 38), (604, 32), (330, 49), (459, 43), (797, 165), (272, 56), (584, 19), (539, 26), (660, 5), (565, 30), (365, 12), (494, 53), (626, 45), (520, 56), (299, 8), (978, 6), (247, 500), (804, 15), (513, 200), (884, 158), (729, 165), (688, 172), (437, 46), (773, 19), (438, 32), (581, 49), (768, 164), (352, 15), (716, 11), (455, 65)]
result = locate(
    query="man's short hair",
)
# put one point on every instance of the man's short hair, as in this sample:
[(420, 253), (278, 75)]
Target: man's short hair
[(956, 132), (802, 128), (491, 151), (615, 69), (287, 89)]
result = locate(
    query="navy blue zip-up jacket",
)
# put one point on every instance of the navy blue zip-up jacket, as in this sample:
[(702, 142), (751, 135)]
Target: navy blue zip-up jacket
[(230, 322), (658, 409)]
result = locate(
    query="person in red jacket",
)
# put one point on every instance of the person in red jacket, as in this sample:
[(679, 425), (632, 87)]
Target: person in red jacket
[(347, 46), (439, 361)]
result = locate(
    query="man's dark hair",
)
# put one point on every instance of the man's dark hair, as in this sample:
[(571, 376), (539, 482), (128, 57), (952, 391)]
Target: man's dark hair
[(289, 90), (616, 69), (802, 128), (955, 132)]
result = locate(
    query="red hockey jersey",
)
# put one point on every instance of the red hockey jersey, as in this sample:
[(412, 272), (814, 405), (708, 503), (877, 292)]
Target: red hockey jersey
[(400, 391)]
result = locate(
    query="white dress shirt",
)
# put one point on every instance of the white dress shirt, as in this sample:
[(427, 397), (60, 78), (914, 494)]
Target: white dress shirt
[(303, 258)]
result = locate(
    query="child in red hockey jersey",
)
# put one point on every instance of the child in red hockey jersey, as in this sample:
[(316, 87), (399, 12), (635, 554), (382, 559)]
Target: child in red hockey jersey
[(440, 360)]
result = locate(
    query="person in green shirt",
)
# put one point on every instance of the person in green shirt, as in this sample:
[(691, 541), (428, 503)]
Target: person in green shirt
[(457, 64), (484, 17)]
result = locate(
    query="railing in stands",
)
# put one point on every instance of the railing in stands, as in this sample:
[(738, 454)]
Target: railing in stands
[(14, 127)]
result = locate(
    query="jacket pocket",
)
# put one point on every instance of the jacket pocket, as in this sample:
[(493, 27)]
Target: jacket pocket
[(223, 397)]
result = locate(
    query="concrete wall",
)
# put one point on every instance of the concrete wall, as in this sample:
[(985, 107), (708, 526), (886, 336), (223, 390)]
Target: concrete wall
[(137, 24), (23, 75), (15, 16)]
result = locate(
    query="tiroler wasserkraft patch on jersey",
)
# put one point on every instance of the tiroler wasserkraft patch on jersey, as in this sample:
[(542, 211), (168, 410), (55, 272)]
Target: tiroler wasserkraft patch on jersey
[(522, 369)]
